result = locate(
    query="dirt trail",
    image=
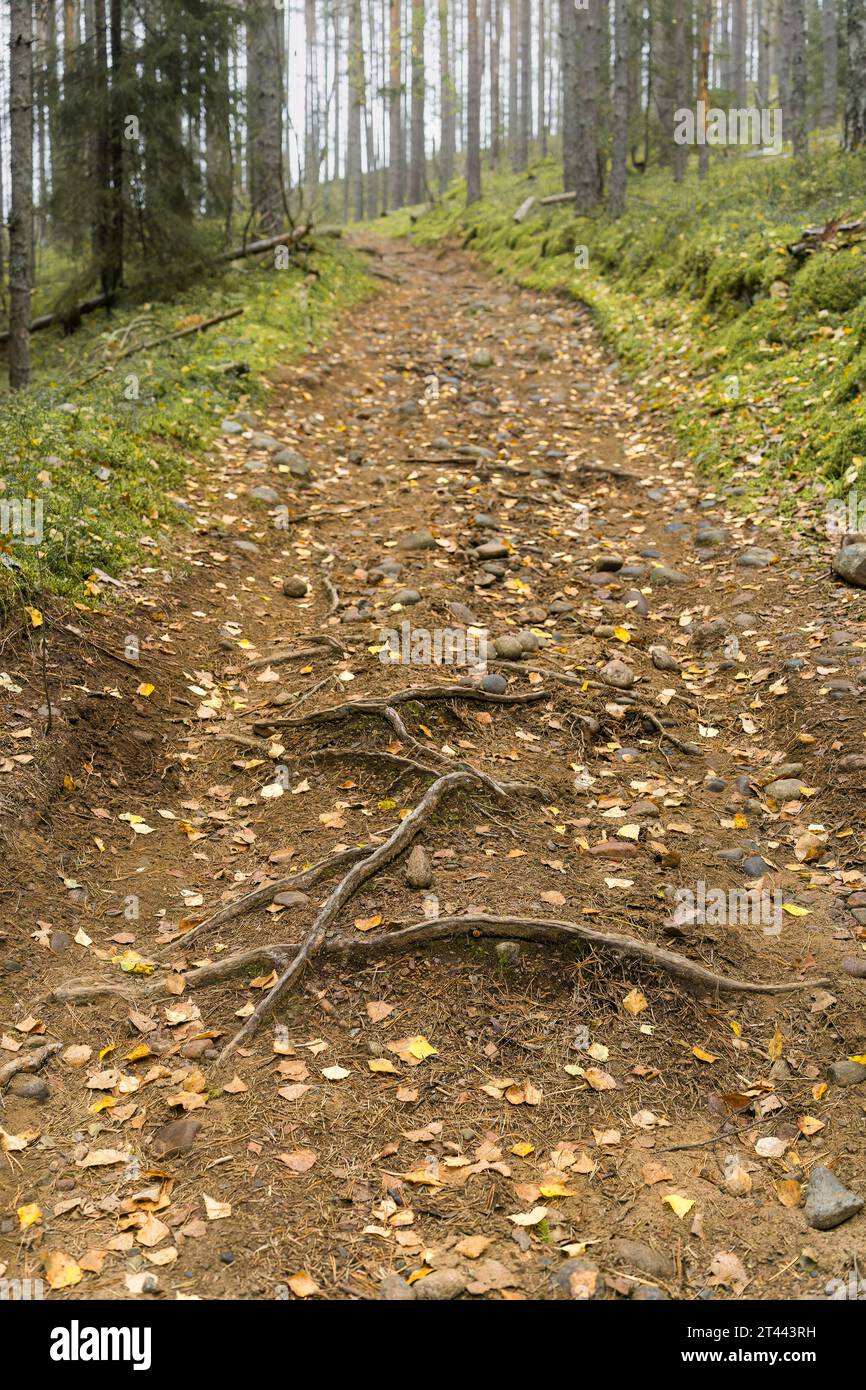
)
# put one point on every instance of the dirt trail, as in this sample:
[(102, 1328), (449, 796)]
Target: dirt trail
[(450, 412)]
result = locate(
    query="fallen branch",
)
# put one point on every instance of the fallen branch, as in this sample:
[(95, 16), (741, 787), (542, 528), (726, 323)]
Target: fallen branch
[(157, 342)]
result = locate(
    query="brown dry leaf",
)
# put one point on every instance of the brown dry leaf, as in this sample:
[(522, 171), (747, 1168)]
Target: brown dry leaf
[(377, 1010), (654, 1172), (553, 897), (299, 1160), (152, 1232), (235, 1086), (293, 1092), (599, 1080), (368, 923), (214, 1210), (726, 1269), (737, 1177), (472, 1246), (383, 1065), (789, 1192)]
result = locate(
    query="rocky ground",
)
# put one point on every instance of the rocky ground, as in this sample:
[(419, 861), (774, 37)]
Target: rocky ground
[(547, 1087)]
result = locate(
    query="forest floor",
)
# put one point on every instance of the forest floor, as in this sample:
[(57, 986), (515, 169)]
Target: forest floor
[(483, 1121)]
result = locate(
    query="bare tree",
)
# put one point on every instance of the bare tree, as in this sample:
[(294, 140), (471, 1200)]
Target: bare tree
[(513, 70), (568, 83), (799, 133), (495, 99), (21, 212), (587, 182), (446, 101), (354, 173), (706, 24), (265, 64)]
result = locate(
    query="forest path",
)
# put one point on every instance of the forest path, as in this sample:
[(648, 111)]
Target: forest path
[(451, 411)]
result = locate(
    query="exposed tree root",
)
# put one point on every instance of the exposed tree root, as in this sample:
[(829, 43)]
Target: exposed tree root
[(260, 897), (279, 658), (28, 1061), (337, 713), (358, 874)]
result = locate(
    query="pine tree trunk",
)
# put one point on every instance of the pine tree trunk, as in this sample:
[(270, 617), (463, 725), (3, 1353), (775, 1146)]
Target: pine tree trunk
[(738, 51), (473, 107), (829, 88), (495, 97), (681, 80), (524, 108), (855, 95), (513, 55), (616, 192), (799, 133), (312, 141), (21, 211), (416, 155), (762, 20), (542, 73), (446, 100), (587, 183), (706, 24), (265, 113), (568, 84), (395, 132), (356, 106)]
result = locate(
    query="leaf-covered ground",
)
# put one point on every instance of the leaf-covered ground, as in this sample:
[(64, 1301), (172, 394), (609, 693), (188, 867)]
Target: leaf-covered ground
[(467, 1118)]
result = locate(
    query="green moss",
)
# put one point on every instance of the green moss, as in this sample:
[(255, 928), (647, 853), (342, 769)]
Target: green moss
[(105, 461), (693, 287)]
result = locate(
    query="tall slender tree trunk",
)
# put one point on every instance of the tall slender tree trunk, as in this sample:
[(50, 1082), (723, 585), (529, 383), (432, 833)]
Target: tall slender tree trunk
[(568, 86), (588, 173), (416, 156), (706, 24), (265, 62), (21, 212), (312, 140), (542, 74), (524, 107), (799, 132), (354, 171), (619, 154), (473, 106), (446, 101), (681, 81), (738, 50), (495, 97), (395, 124), (830, 51), (855, 94), (762, 8), (513, 70)]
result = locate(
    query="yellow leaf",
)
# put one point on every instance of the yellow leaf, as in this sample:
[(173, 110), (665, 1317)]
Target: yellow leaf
[(703, 1056), (302, 1286), (860, 1057), (418, 1274), (421, 1048), (61, 1271), (681, 1206), (555, 1189), (382, 1064), (634, 1003), (776, 1045), (368, 923), (35, 616), (523, 1149), (794, 910), (29, 1215), (145, 689), (622, 634)]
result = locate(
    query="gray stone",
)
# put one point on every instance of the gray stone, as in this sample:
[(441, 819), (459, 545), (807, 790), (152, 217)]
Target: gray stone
[(756, 557), (643, 1257), (416, 540), (508, 953), (609, 563), (396, 1290), (662, 574), (707, 634), (530, 641), (494, 684), (176, 1136), (265, 494), (419, 871), (492, 550), (617, 674), (784, 789), (29, 1087), (508, 647), (407, 597), (847, 1073), (442, 1284), (755, 866), (227, 427), (828, 1201), (248, 547), (266, 442), (481, 358), (295, 462), (295, 586), (662, 659), (850, 564)]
